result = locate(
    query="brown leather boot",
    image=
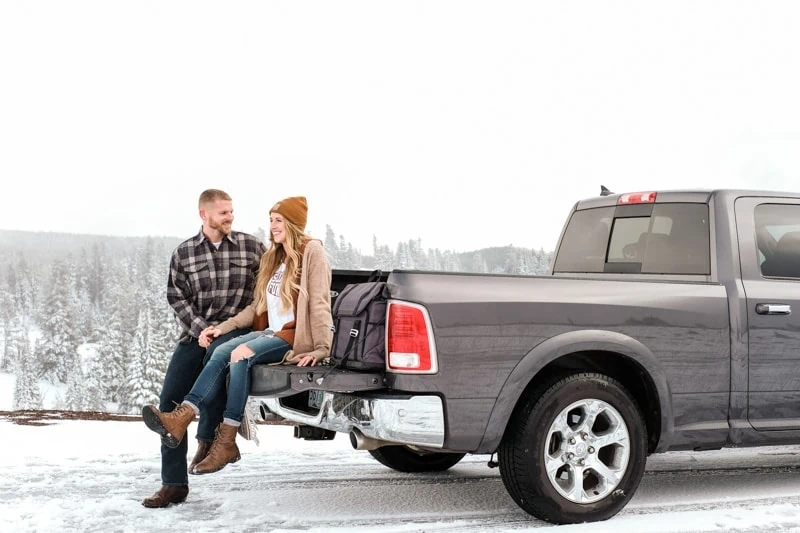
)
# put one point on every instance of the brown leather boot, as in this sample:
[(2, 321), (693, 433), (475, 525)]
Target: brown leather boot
[(171, 426), (203, 447), (166, 495), (223, 451)]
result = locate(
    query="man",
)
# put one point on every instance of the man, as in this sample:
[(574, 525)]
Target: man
[(211, 278)]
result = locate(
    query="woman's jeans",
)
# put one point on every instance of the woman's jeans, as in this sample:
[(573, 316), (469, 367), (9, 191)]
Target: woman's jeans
[(211, 382)]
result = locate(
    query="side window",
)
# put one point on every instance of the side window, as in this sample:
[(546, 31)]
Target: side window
[(778, 240)]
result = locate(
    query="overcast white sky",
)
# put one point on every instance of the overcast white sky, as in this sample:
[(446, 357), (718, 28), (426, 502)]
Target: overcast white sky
[(466, 124)]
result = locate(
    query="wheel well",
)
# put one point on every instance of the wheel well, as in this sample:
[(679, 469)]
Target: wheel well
[(617, 366)]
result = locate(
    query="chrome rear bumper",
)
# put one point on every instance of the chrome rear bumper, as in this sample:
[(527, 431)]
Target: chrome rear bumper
[(417, 420)]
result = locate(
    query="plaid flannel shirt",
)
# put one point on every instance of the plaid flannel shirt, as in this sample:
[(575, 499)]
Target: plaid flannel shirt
[(208, 285)]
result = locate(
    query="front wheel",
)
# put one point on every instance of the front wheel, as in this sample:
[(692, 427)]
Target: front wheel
[(405, 459), (575, 451)]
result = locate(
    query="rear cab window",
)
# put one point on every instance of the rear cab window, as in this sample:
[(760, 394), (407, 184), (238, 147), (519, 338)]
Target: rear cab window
[(654, 238)]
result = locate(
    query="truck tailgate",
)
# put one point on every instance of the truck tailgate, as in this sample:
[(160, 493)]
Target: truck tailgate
[(277, 381)]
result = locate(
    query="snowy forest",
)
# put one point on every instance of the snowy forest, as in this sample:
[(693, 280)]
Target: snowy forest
[(87, 316)]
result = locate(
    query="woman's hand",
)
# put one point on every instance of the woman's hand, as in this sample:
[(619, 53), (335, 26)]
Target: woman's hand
[(204, 340), (307, 360), (241, 352), (208, 335)]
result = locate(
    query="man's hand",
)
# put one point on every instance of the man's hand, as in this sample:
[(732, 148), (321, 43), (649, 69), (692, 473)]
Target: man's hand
[(208, 335), (241, 352), (307, 360)]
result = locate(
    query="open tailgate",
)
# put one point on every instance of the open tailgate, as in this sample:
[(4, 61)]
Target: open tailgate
[(278, 381)]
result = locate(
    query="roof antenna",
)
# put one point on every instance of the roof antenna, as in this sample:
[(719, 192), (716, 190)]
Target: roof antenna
[(604, 191)]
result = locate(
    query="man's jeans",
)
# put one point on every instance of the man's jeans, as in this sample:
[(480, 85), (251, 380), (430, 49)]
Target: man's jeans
[(184, 367), (211, 384)]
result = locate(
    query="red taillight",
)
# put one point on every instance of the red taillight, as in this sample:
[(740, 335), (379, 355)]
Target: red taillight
[(637, 198), (408, 342)]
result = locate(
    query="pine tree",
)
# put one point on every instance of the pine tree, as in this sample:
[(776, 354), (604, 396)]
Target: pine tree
[(331, 247), (403, 257), (435, 259), (10, 287), (7, 323), (353, 257), (419, 260), (477, 264), (144, 373), (262, 235), (144, 258), (125, 294), (164, 331), (543, 260), (79, 297), (16, 297), (58, 348), (96, 278), (94, 399), (383, 255), (431, 261), (26, 388), (76, 390), (26, 294), (342, 258), (451, 262), (113, 346)]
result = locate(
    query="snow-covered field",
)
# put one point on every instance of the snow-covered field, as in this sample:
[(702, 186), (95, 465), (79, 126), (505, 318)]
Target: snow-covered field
[(92, 475)]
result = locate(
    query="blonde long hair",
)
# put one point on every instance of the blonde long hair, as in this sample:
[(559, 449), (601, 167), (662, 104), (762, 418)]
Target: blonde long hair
[(289, 253)]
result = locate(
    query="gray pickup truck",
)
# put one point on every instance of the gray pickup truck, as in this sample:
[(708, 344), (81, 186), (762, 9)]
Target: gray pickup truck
[(665, 323)]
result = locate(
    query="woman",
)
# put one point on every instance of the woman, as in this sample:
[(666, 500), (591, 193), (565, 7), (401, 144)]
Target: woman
[(293, 294)]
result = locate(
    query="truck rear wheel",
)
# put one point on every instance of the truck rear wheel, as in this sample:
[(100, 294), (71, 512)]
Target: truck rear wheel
[(405, 459), (575, 450)]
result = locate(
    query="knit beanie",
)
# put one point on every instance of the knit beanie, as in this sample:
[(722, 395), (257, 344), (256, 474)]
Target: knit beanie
[(294, 209)]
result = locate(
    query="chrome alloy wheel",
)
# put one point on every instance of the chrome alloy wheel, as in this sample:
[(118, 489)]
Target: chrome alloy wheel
[(587, 451)]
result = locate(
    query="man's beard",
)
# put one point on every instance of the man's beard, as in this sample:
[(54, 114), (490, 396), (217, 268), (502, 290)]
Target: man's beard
[(221, 227)]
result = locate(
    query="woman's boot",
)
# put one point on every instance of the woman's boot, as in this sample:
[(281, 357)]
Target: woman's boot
[(171, 426), (203, 447), (223, 451)]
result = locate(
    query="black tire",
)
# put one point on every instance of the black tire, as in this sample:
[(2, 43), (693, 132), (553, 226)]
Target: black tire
[(522, 454), (405, 459)]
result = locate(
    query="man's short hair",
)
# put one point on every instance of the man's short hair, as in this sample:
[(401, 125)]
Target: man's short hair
[(212, 195)]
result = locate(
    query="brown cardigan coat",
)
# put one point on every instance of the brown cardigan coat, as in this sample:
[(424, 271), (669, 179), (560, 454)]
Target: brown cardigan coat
[(313, 321)]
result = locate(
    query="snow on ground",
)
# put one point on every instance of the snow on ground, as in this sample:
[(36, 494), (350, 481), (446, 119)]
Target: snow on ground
[(92, 475)]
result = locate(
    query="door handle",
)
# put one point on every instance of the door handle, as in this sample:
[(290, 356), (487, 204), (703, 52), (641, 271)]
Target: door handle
[(773, 309)]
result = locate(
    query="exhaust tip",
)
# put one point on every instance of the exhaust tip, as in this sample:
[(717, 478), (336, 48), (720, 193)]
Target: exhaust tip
[(266, 415), (263, 410), (361, 442)]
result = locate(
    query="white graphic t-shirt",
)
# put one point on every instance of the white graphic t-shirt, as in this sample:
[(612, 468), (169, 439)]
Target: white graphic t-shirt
[(275, 314)]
